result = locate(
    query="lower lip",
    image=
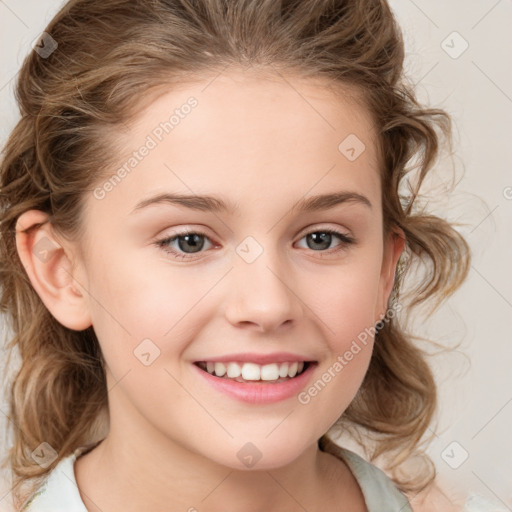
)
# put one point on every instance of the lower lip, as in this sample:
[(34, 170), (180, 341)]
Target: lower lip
[(259, 392)]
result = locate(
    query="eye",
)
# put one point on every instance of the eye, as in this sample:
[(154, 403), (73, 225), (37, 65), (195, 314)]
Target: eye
[(190, 242), (185, 245), (322, 239)]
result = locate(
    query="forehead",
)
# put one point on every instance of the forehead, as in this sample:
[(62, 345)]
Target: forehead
[(248, 137)]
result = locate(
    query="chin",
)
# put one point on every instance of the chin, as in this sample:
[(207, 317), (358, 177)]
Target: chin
[(259, 455)]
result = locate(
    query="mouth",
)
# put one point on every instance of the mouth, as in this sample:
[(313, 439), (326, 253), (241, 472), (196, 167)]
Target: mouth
[(248, 372)]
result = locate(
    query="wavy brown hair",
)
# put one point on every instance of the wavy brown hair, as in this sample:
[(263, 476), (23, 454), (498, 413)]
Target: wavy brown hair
[(113, 57)]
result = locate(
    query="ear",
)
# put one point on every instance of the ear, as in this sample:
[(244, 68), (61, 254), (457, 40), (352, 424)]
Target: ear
[(394, 245), (49, 267)]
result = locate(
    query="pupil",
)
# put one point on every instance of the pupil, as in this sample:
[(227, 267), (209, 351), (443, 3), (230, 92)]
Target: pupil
[(192, 240), (320, 237)]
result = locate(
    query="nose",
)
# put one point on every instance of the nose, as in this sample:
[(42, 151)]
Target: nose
[(263, 295)]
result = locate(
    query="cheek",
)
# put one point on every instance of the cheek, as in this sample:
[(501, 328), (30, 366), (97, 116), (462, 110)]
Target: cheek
[(340, 377), (135, 301), (347, 304), (347, 301)]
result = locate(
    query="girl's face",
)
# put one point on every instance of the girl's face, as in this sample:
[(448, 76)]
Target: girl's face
[(261, 276)]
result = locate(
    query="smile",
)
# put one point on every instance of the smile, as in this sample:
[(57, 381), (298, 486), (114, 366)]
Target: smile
[(257, 389), (250, 372)]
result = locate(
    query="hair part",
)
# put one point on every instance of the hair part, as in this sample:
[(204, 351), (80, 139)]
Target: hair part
[(113, 58)]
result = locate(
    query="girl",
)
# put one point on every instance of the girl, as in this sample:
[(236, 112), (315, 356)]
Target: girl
[(204, 229)]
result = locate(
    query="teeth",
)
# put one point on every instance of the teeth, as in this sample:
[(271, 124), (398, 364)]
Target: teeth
[(233, 370), (250, 371), (292, 370), (270, 372), (253, 371), (219, 369)]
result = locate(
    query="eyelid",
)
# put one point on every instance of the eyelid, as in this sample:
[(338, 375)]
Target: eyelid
[(323, 227)]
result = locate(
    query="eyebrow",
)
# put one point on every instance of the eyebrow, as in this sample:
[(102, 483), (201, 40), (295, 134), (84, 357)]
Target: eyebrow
[(215, 204)]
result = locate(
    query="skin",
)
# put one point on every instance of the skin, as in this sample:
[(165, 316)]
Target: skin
[(264, 143)]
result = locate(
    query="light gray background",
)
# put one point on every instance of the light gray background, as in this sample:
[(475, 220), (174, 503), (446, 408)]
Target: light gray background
[(476, 89)]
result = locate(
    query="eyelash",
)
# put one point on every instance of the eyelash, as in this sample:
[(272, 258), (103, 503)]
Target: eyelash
[(163, 243)]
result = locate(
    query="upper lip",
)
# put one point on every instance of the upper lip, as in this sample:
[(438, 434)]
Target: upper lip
[(277, 357)]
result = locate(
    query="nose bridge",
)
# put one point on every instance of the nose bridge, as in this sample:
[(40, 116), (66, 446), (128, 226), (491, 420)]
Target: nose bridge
[(263, 291)]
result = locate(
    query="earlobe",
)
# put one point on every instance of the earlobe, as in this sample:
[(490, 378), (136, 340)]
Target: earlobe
[(50, 270)]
